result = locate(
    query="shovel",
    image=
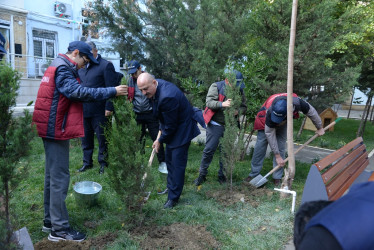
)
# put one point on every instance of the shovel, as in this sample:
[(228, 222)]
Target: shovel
[(151, 158), (260, 180)]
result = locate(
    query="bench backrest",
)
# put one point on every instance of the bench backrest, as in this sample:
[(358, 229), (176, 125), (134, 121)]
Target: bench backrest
[(342, 167)]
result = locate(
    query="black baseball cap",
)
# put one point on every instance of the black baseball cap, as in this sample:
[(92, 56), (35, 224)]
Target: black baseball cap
[(132, 66), (83, 48)]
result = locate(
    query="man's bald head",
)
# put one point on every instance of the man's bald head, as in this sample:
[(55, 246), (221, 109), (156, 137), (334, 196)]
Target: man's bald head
[(147, 84)]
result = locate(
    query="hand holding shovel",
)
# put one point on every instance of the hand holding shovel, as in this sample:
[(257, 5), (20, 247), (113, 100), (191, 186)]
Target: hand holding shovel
[(259, 180)]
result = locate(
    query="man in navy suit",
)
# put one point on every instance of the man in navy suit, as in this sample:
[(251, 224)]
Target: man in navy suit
[(96, 114), (178, 127)]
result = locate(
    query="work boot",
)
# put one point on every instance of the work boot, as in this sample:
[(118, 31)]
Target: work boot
[(200, 180), (277, 182), (248, 179), (222, 179)]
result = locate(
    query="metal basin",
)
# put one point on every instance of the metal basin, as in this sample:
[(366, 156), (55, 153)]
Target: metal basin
[(87, 192)]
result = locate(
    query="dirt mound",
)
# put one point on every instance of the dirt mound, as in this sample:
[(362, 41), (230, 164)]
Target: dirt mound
[(175, 236), (98, 243), (243, 193)]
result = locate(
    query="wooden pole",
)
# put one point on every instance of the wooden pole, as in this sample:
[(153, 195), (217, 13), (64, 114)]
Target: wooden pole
[(290, 172)]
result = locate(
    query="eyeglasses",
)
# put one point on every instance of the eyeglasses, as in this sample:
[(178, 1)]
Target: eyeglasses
[(85, 61)]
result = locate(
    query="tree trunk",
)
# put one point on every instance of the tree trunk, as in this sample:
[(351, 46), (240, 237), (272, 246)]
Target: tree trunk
[(7, 218), (371, 115), (290, 173), (350, 105), (363, 118), (367, 115), (301, 128)]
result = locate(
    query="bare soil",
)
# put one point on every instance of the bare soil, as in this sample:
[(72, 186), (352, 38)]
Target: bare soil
[(175, 236), (243, 194)]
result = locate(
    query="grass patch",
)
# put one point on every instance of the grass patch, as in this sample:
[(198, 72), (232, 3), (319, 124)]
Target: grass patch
[(344, 132), (268, 225)]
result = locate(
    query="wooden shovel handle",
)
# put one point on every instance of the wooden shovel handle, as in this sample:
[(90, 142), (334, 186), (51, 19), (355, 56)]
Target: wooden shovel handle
[(300, 148), (153, 151)]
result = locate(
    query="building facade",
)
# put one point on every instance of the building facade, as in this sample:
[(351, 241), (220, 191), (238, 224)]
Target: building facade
[(37, 30)]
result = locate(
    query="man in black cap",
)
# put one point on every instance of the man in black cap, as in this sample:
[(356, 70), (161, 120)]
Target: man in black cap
[(96, 114), (214, 117), (2, 46), (143, 111), (58, 116), (271, 124)]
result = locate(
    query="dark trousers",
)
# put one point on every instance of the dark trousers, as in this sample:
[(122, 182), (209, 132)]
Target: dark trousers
[(56, 182), (176, 162), (94, 125), (147, 120), (213, 136)]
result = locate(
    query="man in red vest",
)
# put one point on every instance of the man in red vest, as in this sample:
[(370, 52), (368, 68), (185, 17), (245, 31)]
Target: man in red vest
[(58, 116), (271, 124)]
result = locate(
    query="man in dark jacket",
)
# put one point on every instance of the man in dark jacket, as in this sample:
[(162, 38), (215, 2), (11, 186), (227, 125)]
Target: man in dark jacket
[(143, 110), (347, 223), (178, 128), (58, 116), (96, 114)]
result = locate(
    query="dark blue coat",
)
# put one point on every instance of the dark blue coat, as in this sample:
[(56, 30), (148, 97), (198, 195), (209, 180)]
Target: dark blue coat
[(351, 218), (100, 75), (175, 114)]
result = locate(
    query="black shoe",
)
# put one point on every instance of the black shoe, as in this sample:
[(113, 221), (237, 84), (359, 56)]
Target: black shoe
[(84, 168), (47, 227), (170, 204), (277, 182), (101, 171), (67, 234), (163, 192), (222, 179), (200, 180)]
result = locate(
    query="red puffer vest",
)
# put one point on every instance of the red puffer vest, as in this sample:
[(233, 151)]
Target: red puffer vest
[(208, 113), (57, 117), (261, 115)]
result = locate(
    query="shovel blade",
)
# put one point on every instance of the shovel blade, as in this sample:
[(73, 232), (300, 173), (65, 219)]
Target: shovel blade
[(258, 181)]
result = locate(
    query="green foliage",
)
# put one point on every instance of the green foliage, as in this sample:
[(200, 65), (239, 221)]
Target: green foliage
[(195, 92), (184, 37), (15, 135), (233, 138), (126, 158), (317, 31)]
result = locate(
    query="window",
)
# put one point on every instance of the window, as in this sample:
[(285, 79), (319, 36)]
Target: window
[(44, 43)]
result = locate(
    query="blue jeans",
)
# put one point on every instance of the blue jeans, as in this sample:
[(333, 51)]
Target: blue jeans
[(213, 136), (260, 151)]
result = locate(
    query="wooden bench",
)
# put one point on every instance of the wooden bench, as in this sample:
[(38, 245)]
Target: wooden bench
[(330, 178)]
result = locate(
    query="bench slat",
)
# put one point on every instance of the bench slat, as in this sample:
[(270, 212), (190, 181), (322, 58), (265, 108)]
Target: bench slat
[(343, 180), (322, 164), (342, 163)]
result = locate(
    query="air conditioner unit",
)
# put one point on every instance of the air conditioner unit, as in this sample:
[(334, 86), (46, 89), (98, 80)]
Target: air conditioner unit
[(63, 9), (40, 68)]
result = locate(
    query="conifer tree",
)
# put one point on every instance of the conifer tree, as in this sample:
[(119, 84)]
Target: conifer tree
[(232, 141), (15, 135), (127, 169)]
